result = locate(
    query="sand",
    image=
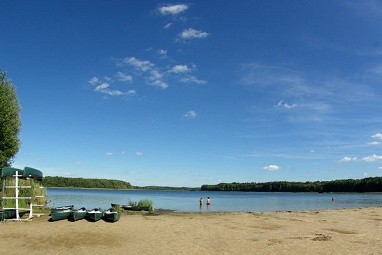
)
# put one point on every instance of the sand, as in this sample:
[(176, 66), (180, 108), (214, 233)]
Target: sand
[(345, 231)]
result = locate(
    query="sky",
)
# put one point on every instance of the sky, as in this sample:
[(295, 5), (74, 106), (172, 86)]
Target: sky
[(199, 92)]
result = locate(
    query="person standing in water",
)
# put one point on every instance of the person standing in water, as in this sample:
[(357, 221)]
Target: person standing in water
[(201, 203), (208, 202)]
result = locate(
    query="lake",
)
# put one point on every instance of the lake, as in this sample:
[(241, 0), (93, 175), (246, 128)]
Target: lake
[(188, 201)]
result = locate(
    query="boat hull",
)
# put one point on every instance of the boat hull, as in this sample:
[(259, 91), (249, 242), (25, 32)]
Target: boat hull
[(7, 214), (10, 172), (30, 172), (60, 214), (94, 215), (111, 215), (61, 208), (78, 214), (135, 208)]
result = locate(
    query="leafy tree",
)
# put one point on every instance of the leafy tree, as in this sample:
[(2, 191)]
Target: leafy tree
[(57, 181), (371, 184), (9, 121)]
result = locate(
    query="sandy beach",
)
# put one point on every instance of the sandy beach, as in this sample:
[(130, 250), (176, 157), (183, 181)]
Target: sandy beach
[(346, 231)]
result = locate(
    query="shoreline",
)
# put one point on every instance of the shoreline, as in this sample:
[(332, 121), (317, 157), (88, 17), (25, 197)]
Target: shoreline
[(338, 231), (275, 192)]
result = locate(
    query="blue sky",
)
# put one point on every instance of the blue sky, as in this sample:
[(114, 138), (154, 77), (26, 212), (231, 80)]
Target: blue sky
[(199, 92)]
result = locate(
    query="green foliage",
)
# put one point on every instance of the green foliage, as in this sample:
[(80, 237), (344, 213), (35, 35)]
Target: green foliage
[(142, 205), (9, 122), (37, 193), (117, 207), (371, 184), (146, 203), (57, 181)]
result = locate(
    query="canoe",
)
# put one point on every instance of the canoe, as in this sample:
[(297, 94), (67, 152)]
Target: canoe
[(78, 214), (7, 214), (60, 214), (30, 172), (111, 215), (127, 207), (136, 208), (61, 208), (10, 172), (94, 215)]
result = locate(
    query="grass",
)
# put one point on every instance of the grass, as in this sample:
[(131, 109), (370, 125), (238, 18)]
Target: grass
[(144, 204), (38, 194)]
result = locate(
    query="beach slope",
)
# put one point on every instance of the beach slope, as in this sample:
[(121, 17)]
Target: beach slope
[(345, 231)]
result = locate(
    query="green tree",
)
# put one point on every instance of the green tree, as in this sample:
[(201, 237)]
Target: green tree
[(9, 121)]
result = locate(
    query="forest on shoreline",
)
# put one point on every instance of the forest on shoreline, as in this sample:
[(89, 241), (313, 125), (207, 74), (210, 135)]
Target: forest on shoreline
[(86, 183), (370, 184)]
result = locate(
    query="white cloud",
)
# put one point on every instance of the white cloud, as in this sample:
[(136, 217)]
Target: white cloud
[(139, 153), (291, 83), (123, 152), (155, 75), (159, 84), (162, 52), (94, 81), (102, 86), (347, 159), (264, 75), (378, 135), (180, 69), (109, 153), (372, 158), (374, 52), (124, 77), (113, 92), (272, 168), (284, 104), (141, 65), (190, 114), (377, 69), (173, 9), (167, 26), (192, 79), (374, 143), (366, 8), (152, 75), (131, 92), (192, 33)]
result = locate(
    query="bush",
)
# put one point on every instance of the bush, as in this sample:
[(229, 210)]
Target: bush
[(146, 204)]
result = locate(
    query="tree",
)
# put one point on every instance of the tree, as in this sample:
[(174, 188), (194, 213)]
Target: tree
[(9, 121)]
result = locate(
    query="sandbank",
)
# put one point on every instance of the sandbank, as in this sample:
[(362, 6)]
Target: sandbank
[(344, 231)]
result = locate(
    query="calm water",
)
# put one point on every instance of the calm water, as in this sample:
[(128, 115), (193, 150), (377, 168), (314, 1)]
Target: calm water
[(220, 201)]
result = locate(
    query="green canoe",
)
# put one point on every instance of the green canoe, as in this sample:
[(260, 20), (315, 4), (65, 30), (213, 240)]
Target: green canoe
[(136, 208), (30, 172), (78, 214), (60, 214), (10, 172), (94, 215), (61, 208), (7, 214), (111, 215)]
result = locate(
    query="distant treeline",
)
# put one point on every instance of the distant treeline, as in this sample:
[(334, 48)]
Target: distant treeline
[(57, 181), (371, 184), (165, 188)]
